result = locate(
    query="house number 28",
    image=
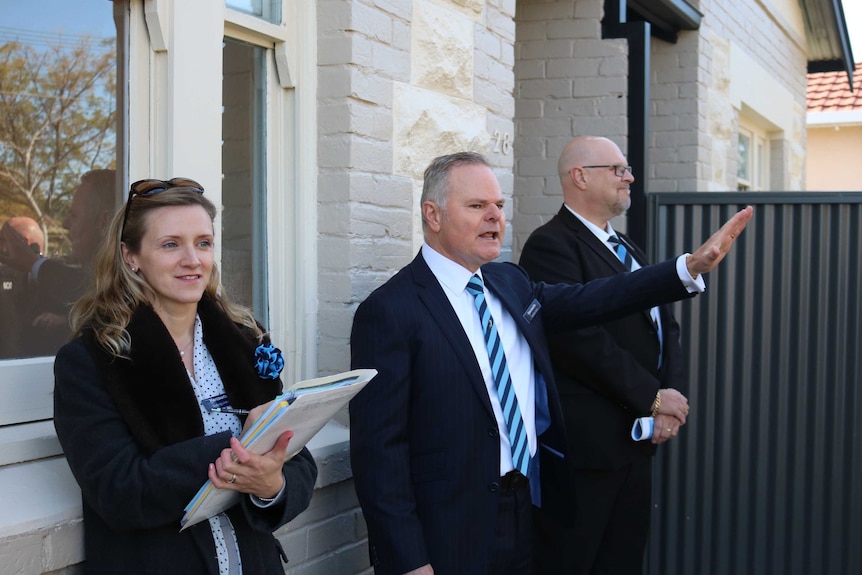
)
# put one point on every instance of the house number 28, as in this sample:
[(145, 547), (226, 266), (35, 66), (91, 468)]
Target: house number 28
[(502, 143)]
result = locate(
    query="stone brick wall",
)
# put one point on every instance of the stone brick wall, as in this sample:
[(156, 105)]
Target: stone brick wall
[(399, 83), (363, 47), (679, 142), (56, 550), (328, 538), (696, 99), (571, 82), (568, 82)]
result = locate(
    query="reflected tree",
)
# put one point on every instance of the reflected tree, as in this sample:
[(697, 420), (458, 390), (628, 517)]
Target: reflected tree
[(57, 121)]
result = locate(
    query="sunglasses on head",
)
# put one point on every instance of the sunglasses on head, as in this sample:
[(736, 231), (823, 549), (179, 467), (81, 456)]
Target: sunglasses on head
[(146, 188)]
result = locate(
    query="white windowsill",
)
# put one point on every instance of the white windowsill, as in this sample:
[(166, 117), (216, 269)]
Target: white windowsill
[(39, 494), (27, 442)]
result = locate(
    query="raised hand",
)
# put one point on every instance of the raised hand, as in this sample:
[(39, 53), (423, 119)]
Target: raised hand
[(713, 250)]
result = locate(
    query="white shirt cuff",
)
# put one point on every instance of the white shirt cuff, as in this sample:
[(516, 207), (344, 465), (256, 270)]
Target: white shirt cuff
[(693, 285)]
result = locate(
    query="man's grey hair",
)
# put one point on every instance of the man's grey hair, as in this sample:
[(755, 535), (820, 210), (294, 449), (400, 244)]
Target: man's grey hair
[(435, 187)]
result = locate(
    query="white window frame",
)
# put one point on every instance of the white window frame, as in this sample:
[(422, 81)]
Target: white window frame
[(165, 139), (758, 158), (291, 182), (27, 389)]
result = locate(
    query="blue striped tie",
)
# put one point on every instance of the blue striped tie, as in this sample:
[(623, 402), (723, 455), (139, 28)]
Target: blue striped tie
[(621, 252), (502, 379), (626, 257)]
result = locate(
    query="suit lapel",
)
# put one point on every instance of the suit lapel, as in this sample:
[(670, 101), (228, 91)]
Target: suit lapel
[(440, 310), (589, 239), (509, 298), (548, 410), (601, 251), (640, 258), (637, 254)]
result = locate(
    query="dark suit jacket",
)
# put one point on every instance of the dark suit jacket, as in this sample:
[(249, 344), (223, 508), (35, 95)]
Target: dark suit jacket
[(424, 443), (607, 375), (60, 284), (133, 435)]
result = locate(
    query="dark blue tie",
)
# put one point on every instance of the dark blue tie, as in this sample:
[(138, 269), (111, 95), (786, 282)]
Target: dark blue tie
[(502, 379), (626, 257)]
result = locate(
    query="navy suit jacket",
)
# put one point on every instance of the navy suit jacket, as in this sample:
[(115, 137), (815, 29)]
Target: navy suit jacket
[(425, 446), (607, 375)]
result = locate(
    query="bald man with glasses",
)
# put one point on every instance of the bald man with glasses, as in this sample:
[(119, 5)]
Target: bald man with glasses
[(607, 375)]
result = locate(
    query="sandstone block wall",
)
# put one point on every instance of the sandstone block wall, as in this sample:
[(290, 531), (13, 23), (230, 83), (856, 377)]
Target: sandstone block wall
[(400, 82)]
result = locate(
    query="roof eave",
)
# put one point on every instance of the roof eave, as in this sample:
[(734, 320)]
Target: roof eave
[(826, 34)]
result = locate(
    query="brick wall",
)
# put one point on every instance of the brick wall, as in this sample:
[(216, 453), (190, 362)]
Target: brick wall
[(696, 100), (568, 82), (328, 538), (362, 48), (399, 82), (56, 550), (679, 142)]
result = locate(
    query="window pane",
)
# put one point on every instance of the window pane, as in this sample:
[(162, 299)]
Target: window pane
[(57, 123), (762, 163), (244, 178), (744, 170), (269, 10)]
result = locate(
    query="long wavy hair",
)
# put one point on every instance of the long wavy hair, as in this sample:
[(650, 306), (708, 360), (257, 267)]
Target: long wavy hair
[(116, 292)]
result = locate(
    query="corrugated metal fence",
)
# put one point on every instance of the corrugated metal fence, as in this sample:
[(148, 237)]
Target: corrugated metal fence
[(766, 477)]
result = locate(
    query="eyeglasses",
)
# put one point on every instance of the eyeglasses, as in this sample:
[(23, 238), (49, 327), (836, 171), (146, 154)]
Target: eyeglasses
[(619, 170), (146, 188)]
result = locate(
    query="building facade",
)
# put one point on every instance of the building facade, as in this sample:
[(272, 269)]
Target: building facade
[(311, 124), (834, 132)]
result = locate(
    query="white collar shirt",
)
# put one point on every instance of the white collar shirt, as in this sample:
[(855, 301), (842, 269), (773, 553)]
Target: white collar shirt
[(453, 278), (603, 236)]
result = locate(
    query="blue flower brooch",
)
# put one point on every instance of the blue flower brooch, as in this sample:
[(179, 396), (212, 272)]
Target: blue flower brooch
[(268, 361)]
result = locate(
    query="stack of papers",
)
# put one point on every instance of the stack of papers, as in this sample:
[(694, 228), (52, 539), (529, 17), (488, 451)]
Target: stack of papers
[(304, 409)]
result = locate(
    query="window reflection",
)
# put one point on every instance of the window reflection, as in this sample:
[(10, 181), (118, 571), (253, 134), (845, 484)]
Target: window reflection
[(57, 160), (244, 179), (269, 10)]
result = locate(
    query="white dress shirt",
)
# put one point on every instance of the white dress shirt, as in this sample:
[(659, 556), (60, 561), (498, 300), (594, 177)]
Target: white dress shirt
[(453, 279), (691, 284)]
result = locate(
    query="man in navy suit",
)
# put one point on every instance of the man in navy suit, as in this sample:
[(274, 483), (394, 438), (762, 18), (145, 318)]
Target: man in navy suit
[(430, 448), (607, 375)]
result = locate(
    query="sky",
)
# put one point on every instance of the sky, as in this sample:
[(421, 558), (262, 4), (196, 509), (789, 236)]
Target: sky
[(92, 17), (853, 17)]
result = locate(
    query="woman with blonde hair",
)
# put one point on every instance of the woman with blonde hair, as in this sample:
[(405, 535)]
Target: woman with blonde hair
[(140, 396)]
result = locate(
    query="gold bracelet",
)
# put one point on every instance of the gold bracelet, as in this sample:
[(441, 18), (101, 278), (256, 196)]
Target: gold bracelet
[(656, 404)]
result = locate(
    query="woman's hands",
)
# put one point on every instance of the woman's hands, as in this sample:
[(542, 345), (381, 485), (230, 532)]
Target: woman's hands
[(241, 470)]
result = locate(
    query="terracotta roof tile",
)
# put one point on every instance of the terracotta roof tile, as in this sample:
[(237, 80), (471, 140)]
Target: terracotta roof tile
[(830, 91)]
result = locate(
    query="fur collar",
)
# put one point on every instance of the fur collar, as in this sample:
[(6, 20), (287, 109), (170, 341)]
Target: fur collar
[(152, 389)]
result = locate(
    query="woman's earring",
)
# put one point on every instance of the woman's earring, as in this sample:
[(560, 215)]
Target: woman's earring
[(134, 269)]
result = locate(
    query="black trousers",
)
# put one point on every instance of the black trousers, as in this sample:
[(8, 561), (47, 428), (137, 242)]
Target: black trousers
[(611, 525), (512, 548)]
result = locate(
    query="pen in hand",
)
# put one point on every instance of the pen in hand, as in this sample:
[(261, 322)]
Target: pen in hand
[(228, 410)]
